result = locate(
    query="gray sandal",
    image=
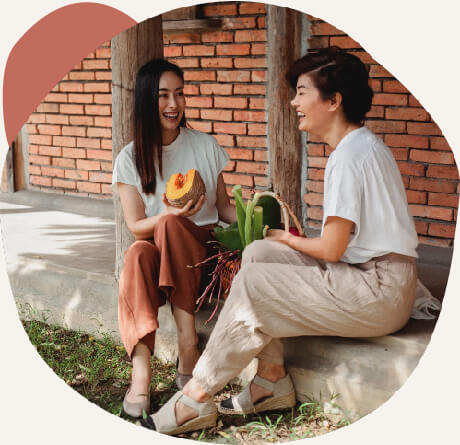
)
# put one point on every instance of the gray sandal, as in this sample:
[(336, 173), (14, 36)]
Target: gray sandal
[(283, 397), (135, 409), (164, 420)]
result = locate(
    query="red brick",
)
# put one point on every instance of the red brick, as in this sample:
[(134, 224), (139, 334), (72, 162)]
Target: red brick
[(435, 241), (377, 111), (234, 102), (258, 49), (421, 227), (249, 89), (103, 122), (199, 75), (441, 230), (252, 8), (439, 143), (221, 62), (35, 170), (443, 199), (51, 171), (428, 128), (411, 169), (191, 90), (96, 64), (216, 88), (84, 164), (324, 29), (416, 197), (400, 154), (441, 171), (205, 127), (191, 62), (47, 108), (61, 183), (40, 139), (388, 127), (251, 167), (40, 180), (258, 76), (81, 120), (99, 133), (192, 113), (225, 140), (259, 62), (106, 144), (36, 118), (81, 98), (376, 85), (402, 140), (231, 178), (103, 53), (106, 189), (432, 185), (97, 87), (431, 212), (315, 149), (261, 23), (379, 71), (230, 128), (88, 142), (317, 162), (103, 75), (200, 102), (261, 155), (71, 87), (81, 75), (90, 187), (73, 152), (251, 141), (413, 102), (318, 42), (315, 213), (233, 76), (49, 151), (32, 149), (217, 115), (106, 166), (99, 154), (55, 97), (257, 129), (65, 141), (186, 37), (394, 86), (100, 177), (252, 116), (63, 162), (233, 49), (253, 35), (99, 110), (217, 36), (49, 129), (198, 50), (103, 99), (433, 157), (219, 10), (230, 167), (389, 99), (261, 181), (240, 153), (408, 114), (172, 51), (344, 42), (41, 160), (71, 109), (314, 199), (256, 103), (316, 174), (238, 22)]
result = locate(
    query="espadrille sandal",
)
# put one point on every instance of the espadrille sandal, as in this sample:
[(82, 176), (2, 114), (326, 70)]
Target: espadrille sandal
[(283, 397), (135, 409), (164, 420)]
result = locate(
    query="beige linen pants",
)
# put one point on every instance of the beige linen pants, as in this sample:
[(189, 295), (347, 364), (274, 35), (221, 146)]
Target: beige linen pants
[(280, 292)]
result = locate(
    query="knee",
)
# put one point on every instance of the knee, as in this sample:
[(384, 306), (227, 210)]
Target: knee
[(258, 251), (169, 222), (139, 250)]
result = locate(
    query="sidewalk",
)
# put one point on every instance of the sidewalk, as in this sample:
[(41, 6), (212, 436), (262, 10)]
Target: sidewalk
[(60, 253)]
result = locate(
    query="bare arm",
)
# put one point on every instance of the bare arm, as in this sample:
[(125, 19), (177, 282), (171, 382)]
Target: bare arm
[(225, 209), (140, 225), (330, 247)]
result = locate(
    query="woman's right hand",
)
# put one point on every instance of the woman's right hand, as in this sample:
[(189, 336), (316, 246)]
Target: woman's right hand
[(188, 210)]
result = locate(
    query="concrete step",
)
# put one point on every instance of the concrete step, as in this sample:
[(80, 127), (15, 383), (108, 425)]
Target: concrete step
[(62, 272)]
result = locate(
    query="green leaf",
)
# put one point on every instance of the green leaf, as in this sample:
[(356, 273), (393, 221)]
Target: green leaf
[(229, 237)]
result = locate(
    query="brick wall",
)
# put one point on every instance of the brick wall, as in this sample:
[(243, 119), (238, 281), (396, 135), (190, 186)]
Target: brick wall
[(225, 71), (70, 145), (424, 158)]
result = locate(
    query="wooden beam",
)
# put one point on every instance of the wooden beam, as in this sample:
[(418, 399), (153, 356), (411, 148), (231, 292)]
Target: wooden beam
[(284, 34), (130, 50), (174, 26)]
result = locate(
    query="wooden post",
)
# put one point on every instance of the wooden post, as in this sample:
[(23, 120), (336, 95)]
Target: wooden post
[(284, 140), (130, 50)]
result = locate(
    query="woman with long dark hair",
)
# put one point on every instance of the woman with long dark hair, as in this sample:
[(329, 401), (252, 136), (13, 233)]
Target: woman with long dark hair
[(358, 279), (168, 239)]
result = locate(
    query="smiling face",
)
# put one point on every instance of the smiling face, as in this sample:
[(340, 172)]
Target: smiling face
[(313, 112), (171, 104)]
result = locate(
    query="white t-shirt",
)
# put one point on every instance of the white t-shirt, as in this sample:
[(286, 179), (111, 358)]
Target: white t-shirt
[(363, 184), (191, 149)]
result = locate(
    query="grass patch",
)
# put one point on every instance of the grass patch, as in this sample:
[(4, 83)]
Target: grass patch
[(100, 370)]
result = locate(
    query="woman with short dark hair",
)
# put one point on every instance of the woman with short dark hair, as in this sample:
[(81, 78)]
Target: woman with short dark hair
[(357, 279), (168, 239)]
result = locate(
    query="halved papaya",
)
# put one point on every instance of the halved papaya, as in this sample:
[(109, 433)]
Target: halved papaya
[(182, 188)]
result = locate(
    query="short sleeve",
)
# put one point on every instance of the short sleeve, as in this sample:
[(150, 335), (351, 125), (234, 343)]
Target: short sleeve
[(124, 169), (221, 157), (342, 193)]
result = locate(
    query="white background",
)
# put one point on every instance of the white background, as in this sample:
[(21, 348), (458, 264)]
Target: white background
[(417, 41)]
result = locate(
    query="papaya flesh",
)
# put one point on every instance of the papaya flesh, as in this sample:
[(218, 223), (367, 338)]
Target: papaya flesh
[(180, 188)]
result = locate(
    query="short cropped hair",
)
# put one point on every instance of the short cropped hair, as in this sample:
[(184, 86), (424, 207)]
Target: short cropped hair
[(335, 71)]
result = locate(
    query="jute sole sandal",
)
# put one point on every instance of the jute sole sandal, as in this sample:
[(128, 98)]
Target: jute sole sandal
[(164, 420), (283, 397)]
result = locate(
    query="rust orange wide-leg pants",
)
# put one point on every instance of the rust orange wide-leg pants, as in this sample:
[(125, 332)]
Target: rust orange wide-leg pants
[(155, 270)]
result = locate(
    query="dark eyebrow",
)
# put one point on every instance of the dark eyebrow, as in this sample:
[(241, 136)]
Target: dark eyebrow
[(166, 89)]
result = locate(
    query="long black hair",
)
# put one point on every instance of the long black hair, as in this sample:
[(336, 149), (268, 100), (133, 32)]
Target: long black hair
[(146, 121)]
